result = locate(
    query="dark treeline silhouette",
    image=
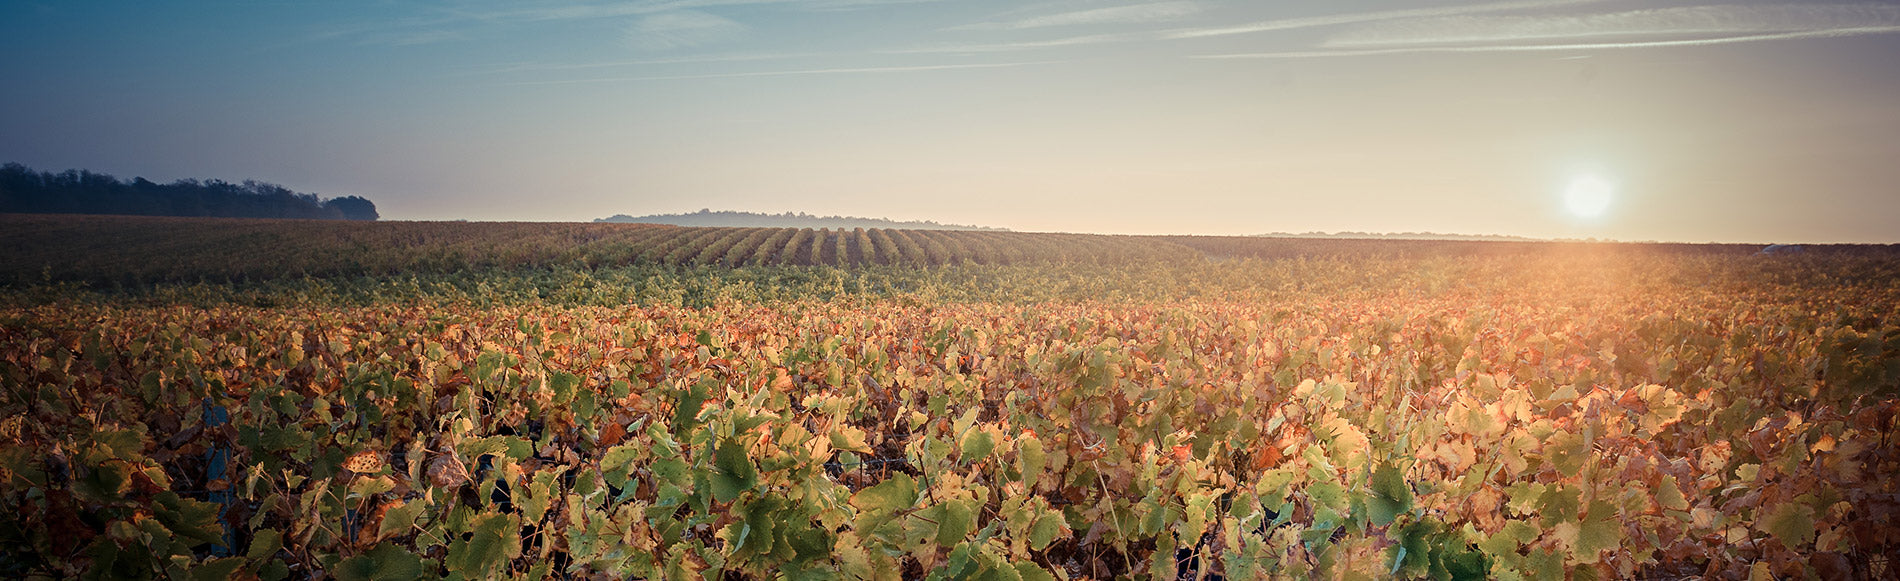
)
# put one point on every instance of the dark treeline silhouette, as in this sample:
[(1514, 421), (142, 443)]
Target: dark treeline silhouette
[(25, 191)]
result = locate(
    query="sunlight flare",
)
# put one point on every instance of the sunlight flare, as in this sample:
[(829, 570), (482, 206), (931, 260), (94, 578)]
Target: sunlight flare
[(1588, 195)]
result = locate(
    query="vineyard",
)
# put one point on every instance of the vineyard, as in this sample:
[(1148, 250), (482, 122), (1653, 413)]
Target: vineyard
[(615, 401), (143, 249), (134, 250)]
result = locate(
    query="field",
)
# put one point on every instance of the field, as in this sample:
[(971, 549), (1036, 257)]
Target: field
[(228, 398)]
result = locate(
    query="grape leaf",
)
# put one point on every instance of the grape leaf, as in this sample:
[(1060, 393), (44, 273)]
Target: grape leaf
[(1391, 496), (1669, 496), (1030, 459), (1792, 523), (976, 445), (733, 472), (954, 521), (1600, 531), (386, 562)]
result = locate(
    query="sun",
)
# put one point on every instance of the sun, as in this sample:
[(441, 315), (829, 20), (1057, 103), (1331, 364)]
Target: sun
[(1588, 195)]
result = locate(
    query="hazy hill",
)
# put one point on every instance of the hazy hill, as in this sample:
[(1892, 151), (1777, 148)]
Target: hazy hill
[(1397, 236), (74, 191), (708, 217)]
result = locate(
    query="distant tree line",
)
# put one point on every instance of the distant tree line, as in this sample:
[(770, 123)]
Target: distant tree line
[(26, 191)]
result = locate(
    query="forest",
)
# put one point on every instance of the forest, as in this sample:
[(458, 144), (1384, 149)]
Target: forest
[(24, 190)]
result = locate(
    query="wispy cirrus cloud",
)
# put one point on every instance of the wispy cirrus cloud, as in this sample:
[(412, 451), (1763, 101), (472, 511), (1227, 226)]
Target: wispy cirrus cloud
[(1359, 17), (841, 5), (1650, 28), (408, 37), (1669, 24), (965, 48), (568, 10), (438, 22), (1132, 13), (1162, 11), (793, 72), (529, 67), (675, 29)]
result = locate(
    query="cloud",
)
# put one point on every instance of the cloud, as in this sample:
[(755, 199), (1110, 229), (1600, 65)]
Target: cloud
[(682, 29), (525, 67), (1652, 28), (436, 23), (1135, 13), (1191, 33), (1022, 45), (583, 10), (839, 5), (1358, 17), (409, 37), (1661, 24), (1838, 33), (827, 71)]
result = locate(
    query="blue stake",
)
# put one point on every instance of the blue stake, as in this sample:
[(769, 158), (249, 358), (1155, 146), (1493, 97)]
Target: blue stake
[(218, 460)]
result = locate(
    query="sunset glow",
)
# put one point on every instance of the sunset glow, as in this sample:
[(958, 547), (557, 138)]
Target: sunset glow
[(1767, 120), (1588, 196)]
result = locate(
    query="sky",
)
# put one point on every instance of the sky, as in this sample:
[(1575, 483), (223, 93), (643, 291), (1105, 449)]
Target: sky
[(1756, 121)]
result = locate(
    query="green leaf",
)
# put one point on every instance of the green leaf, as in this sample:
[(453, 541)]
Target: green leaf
[(954, 522), (217, 569), (510, 446), (123, 444), (1524, 497), (1460, 563), (1045, 530), (584, 407), (897, 493), (753, 534), (849, 439), (105, 482), (364, 487), (187, 518), (562, 384), (1600, 531), (1163, 565), (977, 444), (401, 519), (1411, 551), (1328, 494), (1031, 572), (1515, 534), (1545, 564), (493, 540), (686, 409), (1391, 496), (619, 462), (962, 561), (264, 544), (733, 472), (1559, 504), (1791, 523), (386, 562), (1030, 459), (1567, 452), (1670, 496), (534, 504)]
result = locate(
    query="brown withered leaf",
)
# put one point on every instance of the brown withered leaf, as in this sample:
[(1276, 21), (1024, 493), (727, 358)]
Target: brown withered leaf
[(363, 462), (447, 471), (611, 435)]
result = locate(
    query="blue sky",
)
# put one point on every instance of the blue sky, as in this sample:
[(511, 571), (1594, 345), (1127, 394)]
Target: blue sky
[(1743, 121)]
